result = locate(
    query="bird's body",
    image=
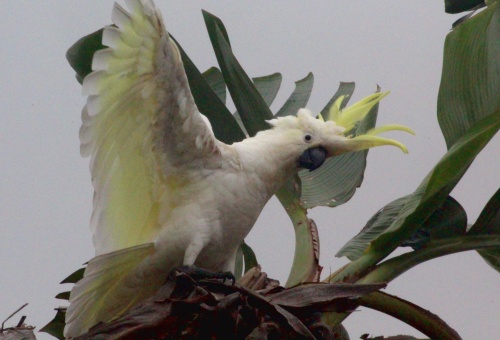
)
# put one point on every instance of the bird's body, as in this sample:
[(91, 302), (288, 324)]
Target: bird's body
[(167, 192), (220, 205)]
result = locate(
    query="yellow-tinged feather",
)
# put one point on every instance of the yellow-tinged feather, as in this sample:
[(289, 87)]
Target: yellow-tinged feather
[(390, 127), (127, 167), (124, 167), (88, 304), (349, 116), (334, 112), (363, 142), (123, 50), (130, 37), (119, 65)]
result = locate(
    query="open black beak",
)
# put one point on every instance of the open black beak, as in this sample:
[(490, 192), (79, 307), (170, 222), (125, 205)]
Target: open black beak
[(312, 158)]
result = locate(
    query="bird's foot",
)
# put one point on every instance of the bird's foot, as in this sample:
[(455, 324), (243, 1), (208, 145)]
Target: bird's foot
[(197, 274)]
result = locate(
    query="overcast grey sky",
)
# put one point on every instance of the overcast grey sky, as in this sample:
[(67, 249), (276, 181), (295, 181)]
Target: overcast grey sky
[(46, 194)]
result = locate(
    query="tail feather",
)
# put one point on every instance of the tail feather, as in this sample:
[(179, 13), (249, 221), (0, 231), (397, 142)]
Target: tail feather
[(109, 288)]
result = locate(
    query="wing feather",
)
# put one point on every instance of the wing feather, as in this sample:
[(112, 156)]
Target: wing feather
[(103, 293), (140, 125)]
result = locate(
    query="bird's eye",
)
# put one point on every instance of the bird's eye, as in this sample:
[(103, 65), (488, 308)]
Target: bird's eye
[(307, 137)]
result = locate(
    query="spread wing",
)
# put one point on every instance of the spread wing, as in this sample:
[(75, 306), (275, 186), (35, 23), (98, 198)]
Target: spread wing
[(141, 128)]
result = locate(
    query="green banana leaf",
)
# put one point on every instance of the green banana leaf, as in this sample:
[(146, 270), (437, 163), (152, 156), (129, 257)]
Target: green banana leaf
[(214, 79), (268, 87), (470, 82), (448, 220), (375, 226), (80, 54), (488, 223), (299, 97), (458, 6), (74, 277), (224, 125), (251, 106), (441, 180), (483, 236), (430, 194), (245, 260), (56, 326)]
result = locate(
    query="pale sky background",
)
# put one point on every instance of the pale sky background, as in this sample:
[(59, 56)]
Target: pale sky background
[(46, 195)]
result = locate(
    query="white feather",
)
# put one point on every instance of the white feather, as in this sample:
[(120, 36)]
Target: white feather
[(93, 105), (120, 16), (89, 86), (111, 36), (101, 59)]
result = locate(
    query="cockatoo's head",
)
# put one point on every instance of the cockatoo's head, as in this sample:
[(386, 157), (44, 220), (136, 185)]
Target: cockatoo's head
[(316, 139)]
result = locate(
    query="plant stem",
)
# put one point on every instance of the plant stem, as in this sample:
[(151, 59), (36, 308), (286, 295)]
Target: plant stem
[(305, 261), (392, 268), (413, 315)]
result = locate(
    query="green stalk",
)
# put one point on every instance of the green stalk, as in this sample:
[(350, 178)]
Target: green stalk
[(305, 261), (413, 315), (392, 268)]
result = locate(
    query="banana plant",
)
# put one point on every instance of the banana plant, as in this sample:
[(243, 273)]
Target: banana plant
[(429, 220)]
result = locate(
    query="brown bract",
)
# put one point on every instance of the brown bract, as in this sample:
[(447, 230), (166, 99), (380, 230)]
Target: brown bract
[(256, 307)]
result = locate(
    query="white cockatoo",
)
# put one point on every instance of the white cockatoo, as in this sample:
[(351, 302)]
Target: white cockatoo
[(167, 192)]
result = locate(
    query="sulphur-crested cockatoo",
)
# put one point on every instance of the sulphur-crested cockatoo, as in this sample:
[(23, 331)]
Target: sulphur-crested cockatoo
[(167, 192)]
